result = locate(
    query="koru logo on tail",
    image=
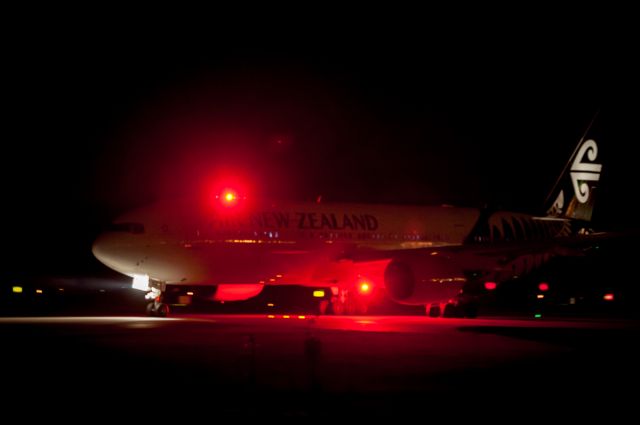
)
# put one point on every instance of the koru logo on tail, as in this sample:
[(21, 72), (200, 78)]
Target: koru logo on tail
[(584, 170)]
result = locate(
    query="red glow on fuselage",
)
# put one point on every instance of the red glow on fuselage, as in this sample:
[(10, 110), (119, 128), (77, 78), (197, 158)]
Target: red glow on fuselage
[(544, 286), (608, 297), (490, 286), (237, 291)]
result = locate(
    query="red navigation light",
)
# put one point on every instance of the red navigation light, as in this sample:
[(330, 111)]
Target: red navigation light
[(544, 286), (608, 297), (490, 286)]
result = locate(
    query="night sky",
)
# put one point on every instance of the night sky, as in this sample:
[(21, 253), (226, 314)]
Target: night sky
[(105, 119)]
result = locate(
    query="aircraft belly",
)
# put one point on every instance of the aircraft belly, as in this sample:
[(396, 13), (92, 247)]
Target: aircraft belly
[(228, 263)]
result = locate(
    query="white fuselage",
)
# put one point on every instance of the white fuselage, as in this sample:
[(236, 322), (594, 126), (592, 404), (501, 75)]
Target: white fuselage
[(185, 242)]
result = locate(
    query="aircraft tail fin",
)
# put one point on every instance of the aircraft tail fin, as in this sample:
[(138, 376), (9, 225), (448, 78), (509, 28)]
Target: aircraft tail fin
[(574, 193)]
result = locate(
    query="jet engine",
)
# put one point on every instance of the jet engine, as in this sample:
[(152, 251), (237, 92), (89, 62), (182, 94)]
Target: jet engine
[(422, 279)]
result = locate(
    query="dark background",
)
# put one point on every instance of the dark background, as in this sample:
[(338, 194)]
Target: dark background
[(105, 115), (107, 109)]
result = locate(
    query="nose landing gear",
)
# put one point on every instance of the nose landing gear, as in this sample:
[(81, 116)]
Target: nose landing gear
[(156, 307)]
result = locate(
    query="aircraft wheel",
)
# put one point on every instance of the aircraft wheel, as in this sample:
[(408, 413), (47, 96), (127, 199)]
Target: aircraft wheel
[(322, 307), (434, 310), (451, 310), (162, 310)]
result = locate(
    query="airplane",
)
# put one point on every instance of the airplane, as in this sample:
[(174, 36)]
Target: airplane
[(441, 257)]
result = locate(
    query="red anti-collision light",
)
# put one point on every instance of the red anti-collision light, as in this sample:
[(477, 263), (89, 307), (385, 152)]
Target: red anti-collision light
[(544, 286), (228, 197)]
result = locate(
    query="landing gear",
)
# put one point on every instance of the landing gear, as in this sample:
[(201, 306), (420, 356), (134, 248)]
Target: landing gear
[(451, 310), (322, 307), (434, 310), (346, 302), (156, 307)]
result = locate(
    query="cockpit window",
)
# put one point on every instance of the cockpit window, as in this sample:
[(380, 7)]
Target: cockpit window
[(136, 228)]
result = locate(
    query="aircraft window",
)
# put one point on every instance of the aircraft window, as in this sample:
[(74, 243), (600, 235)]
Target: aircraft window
[(518, 228), (497, 235), (508, 231), (136, 228)]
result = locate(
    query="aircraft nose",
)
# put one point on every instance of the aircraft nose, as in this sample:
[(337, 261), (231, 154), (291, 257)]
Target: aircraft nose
[(105, 249), (121, 246)]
